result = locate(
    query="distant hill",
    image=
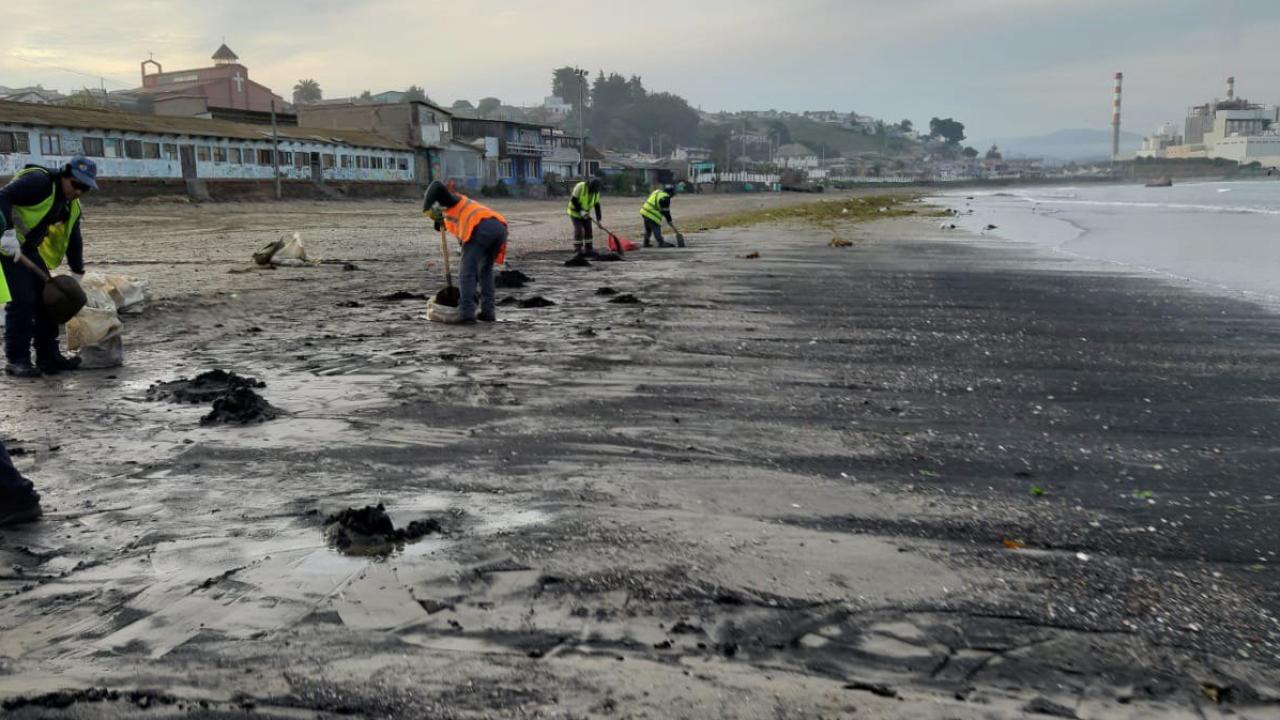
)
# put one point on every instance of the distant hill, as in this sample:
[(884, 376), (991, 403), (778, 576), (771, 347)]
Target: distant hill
[(1080, 145)]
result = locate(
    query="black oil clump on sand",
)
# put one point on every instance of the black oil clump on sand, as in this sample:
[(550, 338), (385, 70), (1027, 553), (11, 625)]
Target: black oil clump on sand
[(626, 299), (203, 388), (241, 406), (369, 531), (606, 291), (234, 399), (537, 301), (609, 257), (511, 279), (401, 295), (577, 261), (509, 300)]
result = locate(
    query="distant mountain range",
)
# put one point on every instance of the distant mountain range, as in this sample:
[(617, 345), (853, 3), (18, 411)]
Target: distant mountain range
[(1080, 145)]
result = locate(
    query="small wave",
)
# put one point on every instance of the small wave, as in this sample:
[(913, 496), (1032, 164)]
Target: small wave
[(1227, 209)]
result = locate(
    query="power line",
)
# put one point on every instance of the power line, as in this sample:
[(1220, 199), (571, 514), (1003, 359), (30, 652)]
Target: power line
[(95, 76)]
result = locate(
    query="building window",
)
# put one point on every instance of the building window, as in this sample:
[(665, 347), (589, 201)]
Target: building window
[(219, 154), (133, 149), (150, 151), (15, 142), (92, 147), (286, 159), (202, 153), (50, 145), (347, 161), (403, 163), (170, 151), (504, 168), (264, 157), (112, 147), (375, 163), (300, 159), (234, 156), (326, 160)]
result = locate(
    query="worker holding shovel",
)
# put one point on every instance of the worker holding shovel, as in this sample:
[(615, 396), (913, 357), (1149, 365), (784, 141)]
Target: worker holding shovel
[(483, 234), (39, 227), (656, 208), (585, 198)]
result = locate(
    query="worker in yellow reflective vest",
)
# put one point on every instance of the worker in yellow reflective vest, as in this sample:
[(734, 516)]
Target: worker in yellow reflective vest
[(39, 219), (656, 208), (585, 198)]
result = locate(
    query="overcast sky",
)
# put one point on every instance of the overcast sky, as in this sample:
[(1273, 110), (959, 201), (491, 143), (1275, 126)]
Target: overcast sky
[(1003, 67)]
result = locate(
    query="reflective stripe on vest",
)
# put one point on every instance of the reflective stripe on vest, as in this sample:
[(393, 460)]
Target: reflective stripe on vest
[(586, 200), (461, 220), (57, 236), (652, 207)]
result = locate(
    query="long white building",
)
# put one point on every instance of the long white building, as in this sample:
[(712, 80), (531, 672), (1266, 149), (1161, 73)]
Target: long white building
[(148, 147)]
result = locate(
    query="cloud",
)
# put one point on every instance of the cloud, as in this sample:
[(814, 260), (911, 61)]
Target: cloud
[(1001, 66)]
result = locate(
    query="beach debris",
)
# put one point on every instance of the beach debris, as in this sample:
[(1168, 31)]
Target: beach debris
[(609, 257), (350, 267), (537, 301), (606, 291), (285, 251), (626, 299), (513, 279), (577, 261), (240, 406), (369, 531), (755, 255), (509, 300), (991, 227), (205, 387), (1037, 491), (839, 242), (1011, 544), (1044, 706), (946, 226), (402, 295), (873, 688)]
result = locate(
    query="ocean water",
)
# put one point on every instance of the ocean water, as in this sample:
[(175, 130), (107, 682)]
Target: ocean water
[(1215, 236)]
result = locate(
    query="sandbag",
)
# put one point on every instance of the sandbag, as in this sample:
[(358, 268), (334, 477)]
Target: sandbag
[(130, 295), (443, 313), (96, 331), (293, 253)]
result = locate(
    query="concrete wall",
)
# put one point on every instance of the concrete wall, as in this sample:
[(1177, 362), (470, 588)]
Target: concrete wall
[(168, 166), (1263, 149)]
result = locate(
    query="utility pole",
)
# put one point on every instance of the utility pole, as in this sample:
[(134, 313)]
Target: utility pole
[(275, 148), (582, 120)]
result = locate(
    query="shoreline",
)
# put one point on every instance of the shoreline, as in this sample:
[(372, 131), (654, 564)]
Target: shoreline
[(804, 480)]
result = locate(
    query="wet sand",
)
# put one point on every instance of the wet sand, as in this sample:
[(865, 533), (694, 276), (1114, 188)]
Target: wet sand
[(929, 475)]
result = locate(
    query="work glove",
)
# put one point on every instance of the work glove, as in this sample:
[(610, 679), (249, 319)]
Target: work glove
[(437, 218), (9, 244)]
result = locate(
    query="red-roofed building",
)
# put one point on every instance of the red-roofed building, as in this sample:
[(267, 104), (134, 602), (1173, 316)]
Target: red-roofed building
[(224, 86)]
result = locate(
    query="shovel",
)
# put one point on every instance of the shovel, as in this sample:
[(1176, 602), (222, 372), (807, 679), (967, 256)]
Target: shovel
[(448, 295), (63, 297)]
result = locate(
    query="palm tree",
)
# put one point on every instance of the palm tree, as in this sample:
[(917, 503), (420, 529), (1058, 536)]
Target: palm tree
[(306, 91)]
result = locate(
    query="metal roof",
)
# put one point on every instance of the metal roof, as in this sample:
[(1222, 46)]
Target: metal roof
[(99, 119)]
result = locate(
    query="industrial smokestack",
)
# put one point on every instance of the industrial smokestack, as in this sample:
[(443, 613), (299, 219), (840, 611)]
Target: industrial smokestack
[(1231, 89), (1115, 120)]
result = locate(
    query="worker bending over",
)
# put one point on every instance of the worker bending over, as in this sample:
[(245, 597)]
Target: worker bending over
[(483, 234), (39, 219), (584, 198), (655, 209)]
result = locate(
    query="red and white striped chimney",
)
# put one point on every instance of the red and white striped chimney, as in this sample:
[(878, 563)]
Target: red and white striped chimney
[(1231, 89), (1115, 119)]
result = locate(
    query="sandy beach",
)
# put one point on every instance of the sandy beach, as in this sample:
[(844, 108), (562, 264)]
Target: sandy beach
[(932, 474)]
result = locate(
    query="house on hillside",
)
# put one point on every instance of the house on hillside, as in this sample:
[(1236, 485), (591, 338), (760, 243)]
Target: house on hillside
[(423, 126), (796, 157), (35, 95), (514, 151)]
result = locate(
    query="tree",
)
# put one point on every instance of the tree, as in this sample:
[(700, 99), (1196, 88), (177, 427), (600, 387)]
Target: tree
[(994, 153), (306, 91), (415, 92), (780, 131), (566, 86), (488, 106), (463, 105), (971, 152), (366, 96), (948, 129), (905, 126)]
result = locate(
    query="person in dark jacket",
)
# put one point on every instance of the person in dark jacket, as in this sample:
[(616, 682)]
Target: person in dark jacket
[(39, 220)]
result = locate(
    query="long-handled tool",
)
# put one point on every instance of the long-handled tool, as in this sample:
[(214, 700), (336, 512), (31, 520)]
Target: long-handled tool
[(63, 297), (616, 242), (449, 295)]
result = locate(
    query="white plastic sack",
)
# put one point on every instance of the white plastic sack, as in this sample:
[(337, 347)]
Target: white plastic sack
[(128, 295), (443, 313), (293, 253), (96, 331)]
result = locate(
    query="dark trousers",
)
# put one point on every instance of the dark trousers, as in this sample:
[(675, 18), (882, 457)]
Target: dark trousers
[(581, 231), (13, 487), (478, 256), (24, 317), (654, 229)]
